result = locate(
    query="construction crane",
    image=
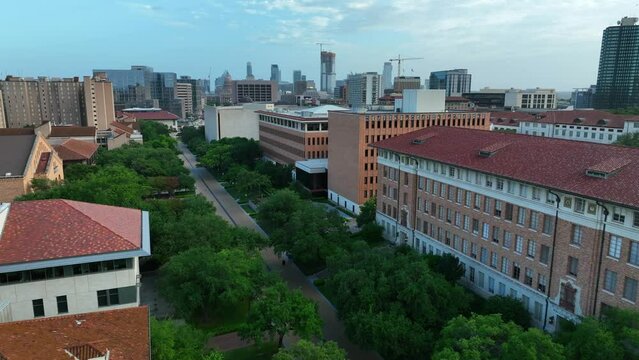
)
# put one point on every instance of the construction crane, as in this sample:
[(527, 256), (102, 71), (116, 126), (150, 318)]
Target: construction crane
[(321, 45), (399, 60)]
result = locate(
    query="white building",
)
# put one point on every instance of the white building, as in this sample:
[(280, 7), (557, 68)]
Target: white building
[(530, 99), (233, 121), (62, 257), (421, 100), (364, 89)]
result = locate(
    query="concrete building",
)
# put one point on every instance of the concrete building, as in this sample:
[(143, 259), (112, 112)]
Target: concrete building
[(233, 121), (406, 82), (580, 125), (421, 101), (352, 178), (199, 89), (363, 89), (455, 82), (3, 120), (583, 98), (246, 91), (184, 91), (24, 156), (618, 75), (559, 233), (387, 76), (487, 98), (327, 79), (90, 264), (98, 100), (276, 73), (104, 335), (530, 99), (459, 103)]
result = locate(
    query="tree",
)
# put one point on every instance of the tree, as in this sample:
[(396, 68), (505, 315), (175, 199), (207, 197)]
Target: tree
[(306, 350), (217, 158), (624, 325), (280, 175), (489, 337), (73, 172), (278, 311), (372, 233), (367, 212), (510, 308), (252, 183), (275, 211), (152, 130), (591, 340), (448, 265), (170, 341), (200, 279), (631, 139)]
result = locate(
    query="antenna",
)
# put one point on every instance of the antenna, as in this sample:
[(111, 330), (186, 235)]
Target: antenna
[(399, 60)]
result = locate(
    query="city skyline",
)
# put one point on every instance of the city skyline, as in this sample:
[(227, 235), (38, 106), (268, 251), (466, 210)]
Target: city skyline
[(502, 43)]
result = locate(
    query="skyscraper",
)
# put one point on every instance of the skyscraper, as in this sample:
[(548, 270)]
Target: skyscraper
[(297, 76), (363, 89), (387, 75), (327, 81), (249, 71), (276, 74), (131, 88), (618, 76), (455, 82)]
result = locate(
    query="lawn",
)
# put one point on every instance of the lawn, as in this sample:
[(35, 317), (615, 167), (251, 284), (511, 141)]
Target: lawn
[(254, 352), (225, 319)]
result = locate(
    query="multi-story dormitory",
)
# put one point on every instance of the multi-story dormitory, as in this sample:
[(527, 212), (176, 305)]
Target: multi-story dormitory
[(554, 223)]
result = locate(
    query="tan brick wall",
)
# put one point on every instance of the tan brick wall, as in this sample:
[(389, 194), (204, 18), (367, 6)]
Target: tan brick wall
[(10, 188)]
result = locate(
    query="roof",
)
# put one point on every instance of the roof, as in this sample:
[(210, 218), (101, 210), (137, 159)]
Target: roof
[(122, 127), (510, 118), (70, 131), (568, 117), (123, 332), (53, 229), (75, 150), (305, 114), (456, 99), (548, 162), (14, 152), (150, 115)]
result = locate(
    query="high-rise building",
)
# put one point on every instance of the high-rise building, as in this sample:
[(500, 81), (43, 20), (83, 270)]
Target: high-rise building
[(276, 73), (297, 76), (249, 71), (583, 98), (387, 75), (327, 80), (406, 82), (98, 99), (3, 121), (184, 91), (131, 88), (363, 89), (455, 82), (246, 91), (164, 92), (199, 89), (618, 76)]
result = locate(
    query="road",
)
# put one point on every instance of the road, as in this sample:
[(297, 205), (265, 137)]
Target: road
[(230, 211)]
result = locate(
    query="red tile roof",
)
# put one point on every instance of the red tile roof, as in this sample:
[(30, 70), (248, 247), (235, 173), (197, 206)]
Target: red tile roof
[(53, 229), (121, 127), (150, 115), (566, 117), (123, 332), (70, 131), (548, 162), (73, 150)]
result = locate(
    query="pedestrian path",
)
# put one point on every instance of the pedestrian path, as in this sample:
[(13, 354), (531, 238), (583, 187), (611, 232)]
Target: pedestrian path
[(231, 211)]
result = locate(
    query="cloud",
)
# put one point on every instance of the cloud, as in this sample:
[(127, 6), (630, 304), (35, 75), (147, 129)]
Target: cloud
[(161, 15)]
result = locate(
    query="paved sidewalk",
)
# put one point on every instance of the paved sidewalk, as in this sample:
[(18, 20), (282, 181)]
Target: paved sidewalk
[(229, 210), (227, 342)]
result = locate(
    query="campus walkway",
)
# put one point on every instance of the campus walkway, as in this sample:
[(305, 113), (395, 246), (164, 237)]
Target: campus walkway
[(230, 211)]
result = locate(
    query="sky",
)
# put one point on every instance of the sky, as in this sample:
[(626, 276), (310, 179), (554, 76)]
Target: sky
[(503, 43)]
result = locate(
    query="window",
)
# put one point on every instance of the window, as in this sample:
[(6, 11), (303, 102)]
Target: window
[(615, 247), (475, 226), (610, 281), (487, 205), (497, 211), (460, 195), (442, 190), (485, 232), (532, 248), (510, 187), (630, 289), (471, 274), (440, 214), (544, 254), (405, 199), (516, 271), (533, 224), (63, 307), (466, 222), (419, 203), (526, 301), (633, 255), (449, 216), (483, 257), (467, 199), (635, 216), (536, 193), (504, 265), (493, 260), (473, 250), (547, 228), (457, 219), (573, 266), (420, 183), (38, 308), (542, 282), (577, 235), (496, 232), (618, 215), (509, 212), (519, 244), (528, 277), (567, 295), (580, 205), (523, 190), (491, 285), (539, 310), (110, 297), (489, 181), (521, 216), (500, 184), (508, 239), (435, 187), (464, 246), (477, 203)]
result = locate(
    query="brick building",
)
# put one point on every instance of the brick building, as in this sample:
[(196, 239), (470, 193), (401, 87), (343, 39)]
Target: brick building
[(552, 222), (352, 178)]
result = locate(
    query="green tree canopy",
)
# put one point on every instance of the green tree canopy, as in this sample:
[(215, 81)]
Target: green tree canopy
[(152, 130), (197, 280), (278, 311), (276, 211), (510, 308), (447, 265), (306, 350), (367, 212), (170, 341), (590, 340), (631, 139)]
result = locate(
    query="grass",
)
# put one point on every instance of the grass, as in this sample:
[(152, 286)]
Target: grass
[(225, 319), (254, 352)]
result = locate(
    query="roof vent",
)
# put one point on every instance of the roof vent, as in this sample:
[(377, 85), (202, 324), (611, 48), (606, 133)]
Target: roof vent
[(7, 174), (603, 122), (579, 120), (422, 139), (607, 168), (491, 150), (84, 352)]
